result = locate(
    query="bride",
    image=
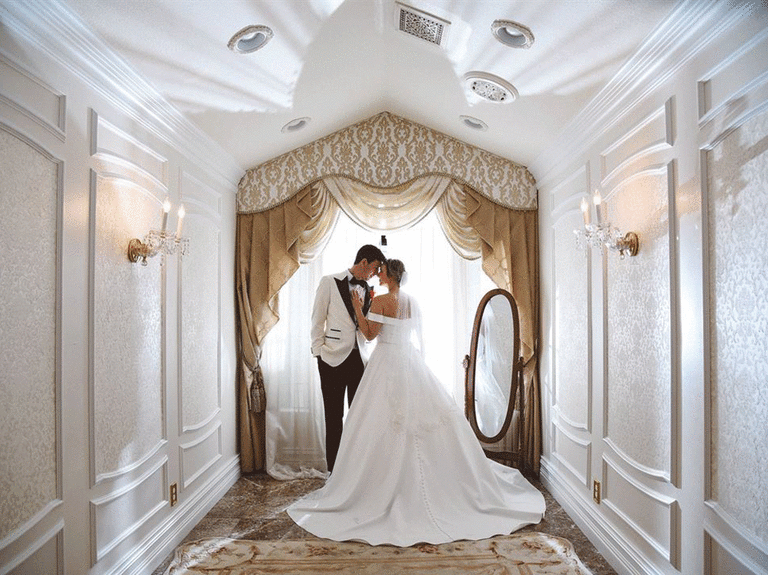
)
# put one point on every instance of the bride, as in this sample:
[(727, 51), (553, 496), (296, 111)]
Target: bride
[(409, 467)]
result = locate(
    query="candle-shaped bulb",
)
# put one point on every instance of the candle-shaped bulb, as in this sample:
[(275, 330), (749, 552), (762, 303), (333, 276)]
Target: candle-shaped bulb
[(166, 209), (597, 200), (181, 220), (585, 210)]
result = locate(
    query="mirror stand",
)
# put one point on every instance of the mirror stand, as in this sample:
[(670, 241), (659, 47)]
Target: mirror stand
[(493, 390)]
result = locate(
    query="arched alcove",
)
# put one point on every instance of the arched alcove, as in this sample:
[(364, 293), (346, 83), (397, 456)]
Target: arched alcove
[(384, 172)]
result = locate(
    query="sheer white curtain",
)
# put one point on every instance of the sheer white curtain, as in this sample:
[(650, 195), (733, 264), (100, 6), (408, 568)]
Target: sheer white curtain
[(448, 289)]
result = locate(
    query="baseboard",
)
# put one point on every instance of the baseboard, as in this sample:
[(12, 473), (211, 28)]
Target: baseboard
[(619, 553), (167, 536)]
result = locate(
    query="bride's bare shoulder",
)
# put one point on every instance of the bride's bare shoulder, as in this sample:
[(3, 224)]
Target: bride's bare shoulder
[(385, 304)]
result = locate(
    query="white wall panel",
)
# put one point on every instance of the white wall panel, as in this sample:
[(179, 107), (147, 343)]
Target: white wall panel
[(30, 182), (572, 334), (727, 83), (199, 455), (737, 204), (652, 134), (119, 147), (639, 324), (45, 557), (720, 560), (572, 382), (679, 331), (574, 453), (28, 94), (647, 513), (127, 341), (200, 302), (89, 420), (114, 517)]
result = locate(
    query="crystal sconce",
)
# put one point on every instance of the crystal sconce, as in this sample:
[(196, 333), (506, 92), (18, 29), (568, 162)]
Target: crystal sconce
[(159, 242), (603, 233)]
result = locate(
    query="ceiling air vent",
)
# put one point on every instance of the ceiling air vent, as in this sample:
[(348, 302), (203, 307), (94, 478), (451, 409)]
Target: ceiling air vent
[(420, 24), (490, 87)]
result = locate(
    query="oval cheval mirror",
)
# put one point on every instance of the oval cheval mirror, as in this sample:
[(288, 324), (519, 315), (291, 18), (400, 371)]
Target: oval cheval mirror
[(493, 373)]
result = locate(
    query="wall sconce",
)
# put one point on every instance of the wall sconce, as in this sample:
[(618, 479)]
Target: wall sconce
[(161, 241), (603, 233)]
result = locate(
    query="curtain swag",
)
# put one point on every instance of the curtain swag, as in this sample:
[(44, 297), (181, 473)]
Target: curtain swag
[(272, 244)]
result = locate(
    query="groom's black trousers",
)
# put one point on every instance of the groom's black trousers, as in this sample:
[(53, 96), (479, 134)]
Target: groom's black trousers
[(334, 381)]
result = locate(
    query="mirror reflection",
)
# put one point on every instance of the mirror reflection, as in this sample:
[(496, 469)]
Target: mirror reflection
[(494, 363)]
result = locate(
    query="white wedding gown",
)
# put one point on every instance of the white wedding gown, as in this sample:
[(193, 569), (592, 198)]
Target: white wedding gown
[(409, 467)]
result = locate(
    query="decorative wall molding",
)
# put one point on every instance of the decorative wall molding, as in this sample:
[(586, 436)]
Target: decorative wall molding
[(50, 544), (733, 177), (572, 327), (110, 527), (644, 201), (39, 518), (33, 345), (657, 524), (621, 553), (31, 90), (385, 151), (85, 55), (115, 146), (731, 79), (690, 28), (724, 532), (142, 288), (133, 466), (571, 188), (195, 191), (198, 456), (649, 472), (580, 469), (163, 539), (199, 302), (652, 134)]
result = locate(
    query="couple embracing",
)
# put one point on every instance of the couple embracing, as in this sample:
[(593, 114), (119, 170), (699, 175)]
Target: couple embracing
[(407, 467)]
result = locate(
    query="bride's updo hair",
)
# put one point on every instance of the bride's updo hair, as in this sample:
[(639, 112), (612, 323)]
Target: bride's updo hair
[(396, 270)]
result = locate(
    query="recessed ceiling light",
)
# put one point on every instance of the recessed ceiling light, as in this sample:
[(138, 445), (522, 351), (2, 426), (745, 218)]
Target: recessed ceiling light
[(250, 39), (295, 125), (512, 34), (474, 123), (490, 87)]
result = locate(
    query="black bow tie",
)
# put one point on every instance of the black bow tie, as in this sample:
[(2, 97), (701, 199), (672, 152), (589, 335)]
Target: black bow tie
[(355, 281)]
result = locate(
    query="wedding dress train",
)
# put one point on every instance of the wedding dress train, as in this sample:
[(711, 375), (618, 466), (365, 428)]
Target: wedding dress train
[(409, 468)]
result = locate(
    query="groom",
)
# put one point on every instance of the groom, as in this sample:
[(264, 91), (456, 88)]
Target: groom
[(336, 340)]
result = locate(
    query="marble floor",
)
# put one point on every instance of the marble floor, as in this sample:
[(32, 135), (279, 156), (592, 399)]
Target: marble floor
[(254, 508)]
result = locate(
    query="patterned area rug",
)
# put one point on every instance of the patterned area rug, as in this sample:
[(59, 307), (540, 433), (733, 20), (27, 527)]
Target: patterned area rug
[(522, 554)]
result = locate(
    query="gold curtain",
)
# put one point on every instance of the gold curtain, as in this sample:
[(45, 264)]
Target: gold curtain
[(272, 244), (510, 258), (269, 248)]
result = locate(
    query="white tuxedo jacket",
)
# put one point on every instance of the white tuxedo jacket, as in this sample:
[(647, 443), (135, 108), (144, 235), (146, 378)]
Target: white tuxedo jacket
[(334, 332)]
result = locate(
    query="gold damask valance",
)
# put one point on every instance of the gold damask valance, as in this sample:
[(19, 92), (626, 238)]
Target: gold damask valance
[(386, 151)]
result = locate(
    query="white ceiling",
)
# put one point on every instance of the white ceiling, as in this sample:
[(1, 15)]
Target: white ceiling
[(341, 61)]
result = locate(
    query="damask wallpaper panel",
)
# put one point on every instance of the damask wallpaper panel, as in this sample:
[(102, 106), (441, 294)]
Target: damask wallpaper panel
[(571, 323), (639, 325), (200, 322), (737, 205), (127, 328), (28, 292)]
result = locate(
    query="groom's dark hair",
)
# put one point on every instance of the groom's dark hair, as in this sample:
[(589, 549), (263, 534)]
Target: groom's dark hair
[(370, 254)]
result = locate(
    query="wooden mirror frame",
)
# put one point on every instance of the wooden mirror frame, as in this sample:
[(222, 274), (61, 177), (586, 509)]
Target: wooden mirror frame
[(515, 392)]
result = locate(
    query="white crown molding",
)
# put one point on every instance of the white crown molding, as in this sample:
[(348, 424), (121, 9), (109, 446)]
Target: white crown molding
[(690, 27), (80, 51)]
